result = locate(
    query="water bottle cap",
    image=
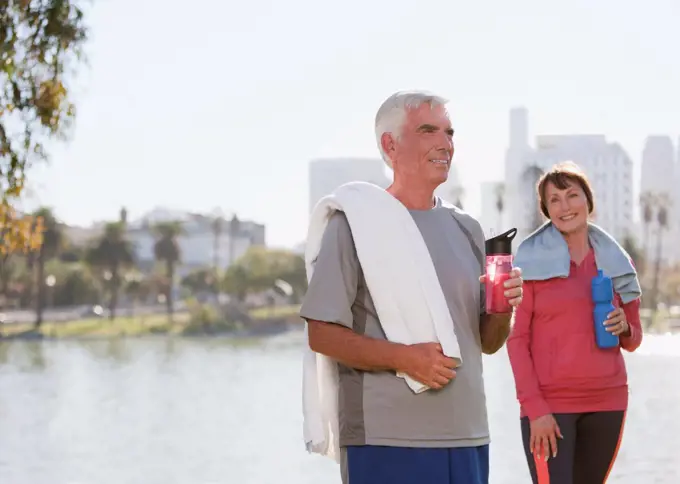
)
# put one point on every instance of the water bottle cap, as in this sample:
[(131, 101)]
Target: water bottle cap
[(500, 244), (600, 273)]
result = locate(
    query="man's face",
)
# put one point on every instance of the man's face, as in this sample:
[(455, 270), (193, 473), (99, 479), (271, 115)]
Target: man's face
[(424, 149)]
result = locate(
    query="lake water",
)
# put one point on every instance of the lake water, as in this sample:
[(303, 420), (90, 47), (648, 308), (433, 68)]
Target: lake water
[(214, 411)]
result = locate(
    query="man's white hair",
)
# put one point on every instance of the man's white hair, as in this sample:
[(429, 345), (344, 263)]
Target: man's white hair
[(392, 114)]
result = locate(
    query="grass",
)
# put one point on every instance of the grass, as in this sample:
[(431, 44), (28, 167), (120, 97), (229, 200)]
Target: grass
[(129, 325), (275, 312), (103, 327)]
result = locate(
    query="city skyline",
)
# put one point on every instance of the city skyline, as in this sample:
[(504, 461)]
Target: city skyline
[(660, 147), (142, 141)]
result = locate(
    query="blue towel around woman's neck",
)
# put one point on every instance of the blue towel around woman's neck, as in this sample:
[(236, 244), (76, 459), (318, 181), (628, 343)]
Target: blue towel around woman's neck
[(544, 255)]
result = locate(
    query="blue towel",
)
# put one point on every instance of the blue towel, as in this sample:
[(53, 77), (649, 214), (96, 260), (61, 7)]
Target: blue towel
[(544, 255)]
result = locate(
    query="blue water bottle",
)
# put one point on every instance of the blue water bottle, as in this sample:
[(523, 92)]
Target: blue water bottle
[(603, 295)]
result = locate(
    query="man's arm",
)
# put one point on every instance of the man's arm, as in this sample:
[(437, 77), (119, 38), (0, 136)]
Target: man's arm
[(425, 362), (327, 308), (354, 350), (327, 305), (494, 330)]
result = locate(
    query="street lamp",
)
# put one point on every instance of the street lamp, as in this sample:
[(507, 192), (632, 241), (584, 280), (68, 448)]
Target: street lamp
[(234, 229), (50, 281)]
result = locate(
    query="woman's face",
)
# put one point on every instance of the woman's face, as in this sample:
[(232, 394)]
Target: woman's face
[(568, 208)]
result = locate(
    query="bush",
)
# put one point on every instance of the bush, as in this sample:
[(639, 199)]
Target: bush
[(205, 319)]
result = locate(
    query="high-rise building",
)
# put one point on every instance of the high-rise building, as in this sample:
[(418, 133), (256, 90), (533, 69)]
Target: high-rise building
[(658, 166), (452, 190), (490, 218), (325, 175), (607, 165), (658, 182), (519, 128), (199, 245)]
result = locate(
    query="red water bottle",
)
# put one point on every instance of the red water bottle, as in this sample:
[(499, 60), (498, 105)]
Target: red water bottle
[(498, 267)]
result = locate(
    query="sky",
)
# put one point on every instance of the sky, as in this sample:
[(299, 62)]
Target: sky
[(226, 104)]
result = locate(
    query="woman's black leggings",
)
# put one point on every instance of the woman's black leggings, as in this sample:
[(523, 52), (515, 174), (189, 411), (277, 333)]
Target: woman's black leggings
[(585, 454)]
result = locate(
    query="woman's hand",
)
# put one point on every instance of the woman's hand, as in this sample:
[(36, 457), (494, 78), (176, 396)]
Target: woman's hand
[(616, 322), (544, 434)]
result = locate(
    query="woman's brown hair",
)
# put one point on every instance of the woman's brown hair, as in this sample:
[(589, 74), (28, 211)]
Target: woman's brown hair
[(562, 175)]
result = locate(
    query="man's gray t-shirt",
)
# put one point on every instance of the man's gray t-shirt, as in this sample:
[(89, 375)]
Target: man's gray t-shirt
[(378, 408)]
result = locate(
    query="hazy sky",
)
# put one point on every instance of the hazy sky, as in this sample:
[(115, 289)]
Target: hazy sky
[(224, 105)]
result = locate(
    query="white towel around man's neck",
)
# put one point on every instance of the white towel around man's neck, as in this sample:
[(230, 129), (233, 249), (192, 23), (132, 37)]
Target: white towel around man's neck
[(404, 286)]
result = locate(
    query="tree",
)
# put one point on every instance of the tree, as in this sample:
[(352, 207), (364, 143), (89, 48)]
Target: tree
[(40, 46), (167, 250), (137, 289), (111, 254), (669, 288), (199, 281), (217, 227), (234, 231), (647, 203), (457, 193), (500, 203), (74, 285), (631, 247), (19, 235), (663, 202), (52, 242), (259, 269)]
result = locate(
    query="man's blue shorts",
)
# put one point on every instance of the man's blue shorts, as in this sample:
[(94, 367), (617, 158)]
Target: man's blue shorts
[(369, 464)]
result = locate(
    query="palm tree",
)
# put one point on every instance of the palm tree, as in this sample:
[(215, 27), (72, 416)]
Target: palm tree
[(533, 173), (500, 203), (217, 227), (234, 230), (647, 202), (111, 254), (167, 250), (663, 201), (52, 242), (137, 290), (457, 196)]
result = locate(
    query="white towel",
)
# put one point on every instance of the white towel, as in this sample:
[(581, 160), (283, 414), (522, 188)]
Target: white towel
[(404, 286)]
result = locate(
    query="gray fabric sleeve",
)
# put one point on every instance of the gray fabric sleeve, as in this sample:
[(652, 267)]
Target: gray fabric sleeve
[(333, 286), (478, 235), (473, 230)]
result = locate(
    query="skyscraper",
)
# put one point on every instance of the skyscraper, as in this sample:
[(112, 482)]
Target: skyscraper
[(327, 174), (658, 182), (606, 164)]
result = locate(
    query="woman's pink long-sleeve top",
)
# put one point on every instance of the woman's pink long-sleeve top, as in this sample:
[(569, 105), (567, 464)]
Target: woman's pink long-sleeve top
[(556, 364)]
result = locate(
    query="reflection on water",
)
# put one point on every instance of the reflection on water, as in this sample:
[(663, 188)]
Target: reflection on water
[(213, 411)]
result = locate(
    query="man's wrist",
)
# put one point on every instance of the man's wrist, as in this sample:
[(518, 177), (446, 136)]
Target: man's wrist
[(494, 331), (398, 357)]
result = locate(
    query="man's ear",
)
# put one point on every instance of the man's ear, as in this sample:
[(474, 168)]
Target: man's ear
[(387, 144)]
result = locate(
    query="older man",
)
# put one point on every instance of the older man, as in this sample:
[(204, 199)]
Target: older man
[(388, 433)]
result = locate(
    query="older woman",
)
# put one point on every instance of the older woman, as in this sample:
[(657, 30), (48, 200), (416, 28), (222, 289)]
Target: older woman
[(573, 394)]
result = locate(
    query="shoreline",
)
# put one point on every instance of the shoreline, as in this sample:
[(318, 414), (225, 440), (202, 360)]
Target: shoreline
[(261, 322)]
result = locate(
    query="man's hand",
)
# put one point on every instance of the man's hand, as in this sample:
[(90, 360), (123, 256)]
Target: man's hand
[(426, 363), (513, 286)]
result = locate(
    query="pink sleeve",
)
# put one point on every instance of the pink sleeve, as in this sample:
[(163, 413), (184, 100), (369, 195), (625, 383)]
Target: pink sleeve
[(519, 351), (632, 341)]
